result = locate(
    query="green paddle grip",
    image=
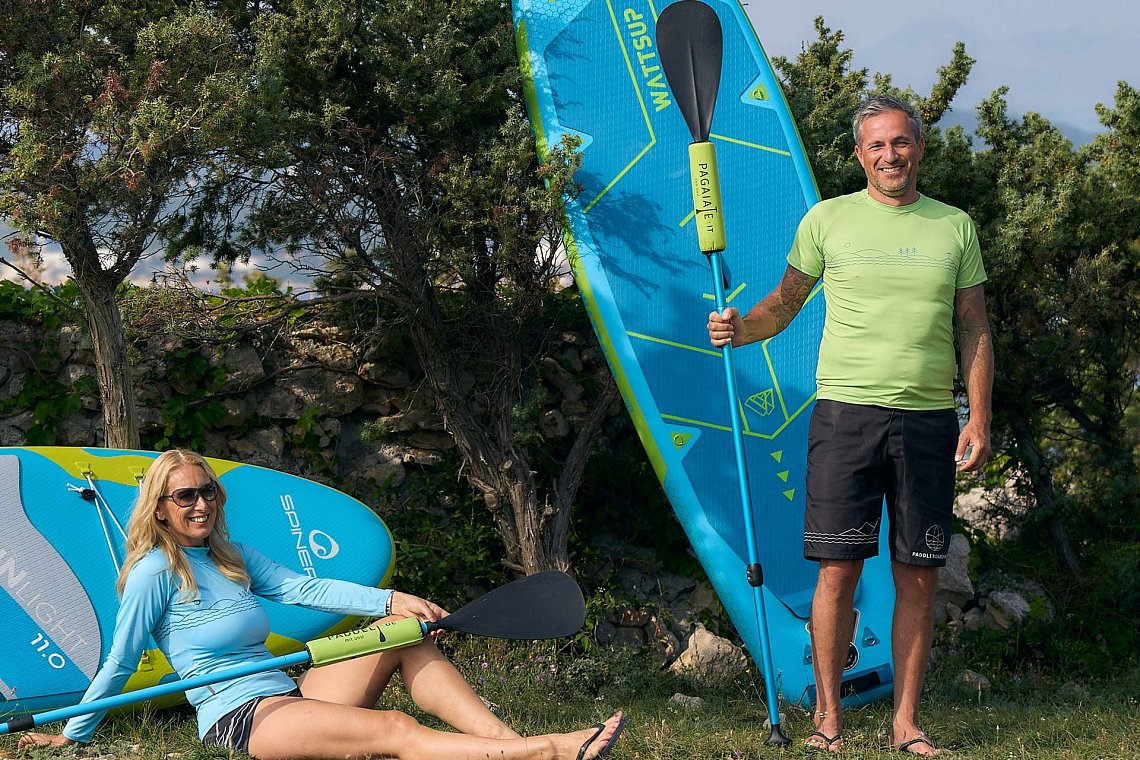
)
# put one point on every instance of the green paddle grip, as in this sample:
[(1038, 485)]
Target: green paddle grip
[(706, 196), (375, 638)]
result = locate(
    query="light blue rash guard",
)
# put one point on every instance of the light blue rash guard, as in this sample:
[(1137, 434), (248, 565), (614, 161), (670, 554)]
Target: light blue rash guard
[(223, 627)]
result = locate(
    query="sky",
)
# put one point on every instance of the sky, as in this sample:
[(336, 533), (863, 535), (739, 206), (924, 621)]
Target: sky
[(1059, 58)]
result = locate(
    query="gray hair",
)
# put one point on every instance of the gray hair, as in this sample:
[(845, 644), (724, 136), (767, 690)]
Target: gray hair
[(879, 104)]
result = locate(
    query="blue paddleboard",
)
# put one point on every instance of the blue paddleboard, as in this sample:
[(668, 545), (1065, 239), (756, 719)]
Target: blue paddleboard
[(593, 72), (60, 553)]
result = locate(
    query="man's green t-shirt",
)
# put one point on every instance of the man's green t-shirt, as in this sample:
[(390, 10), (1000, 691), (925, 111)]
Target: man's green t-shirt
[(890, 274)]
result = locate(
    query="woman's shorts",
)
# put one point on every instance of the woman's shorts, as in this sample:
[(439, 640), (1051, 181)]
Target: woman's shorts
[(233, 729)]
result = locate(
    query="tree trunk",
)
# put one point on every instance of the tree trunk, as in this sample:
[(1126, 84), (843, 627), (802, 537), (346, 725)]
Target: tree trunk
[(97, 287), (1041, 481), (566, 487), (534, 530), (116, 390)]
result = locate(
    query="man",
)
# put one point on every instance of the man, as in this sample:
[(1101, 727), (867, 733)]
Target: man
[(899, 271)]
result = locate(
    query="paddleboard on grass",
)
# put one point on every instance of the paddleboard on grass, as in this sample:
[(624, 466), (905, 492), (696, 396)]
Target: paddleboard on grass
[(593, 73), (63, 513)]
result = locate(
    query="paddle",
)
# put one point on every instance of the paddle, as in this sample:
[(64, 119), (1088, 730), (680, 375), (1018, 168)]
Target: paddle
[(690, 43), (541, 606)]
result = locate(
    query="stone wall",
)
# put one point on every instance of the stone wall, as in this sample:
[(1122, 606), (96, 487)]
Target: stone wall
[(304, 401)]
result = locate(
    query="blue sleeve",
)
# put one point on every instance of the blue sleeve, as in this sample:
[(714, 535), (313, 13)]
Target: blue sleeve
[(280, 584), (143, 604)]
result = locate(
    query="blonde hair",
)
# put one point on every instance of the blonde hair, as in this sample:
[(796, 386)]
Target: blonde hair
[(145, 531)]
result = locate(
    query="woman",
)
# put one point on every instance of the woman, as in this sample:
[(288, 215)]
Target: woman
[(187, 585)]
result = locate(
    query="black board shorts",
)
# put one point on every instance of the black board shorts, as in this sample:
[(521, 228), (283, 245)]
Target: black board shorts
[(232, 731), (857, 456)]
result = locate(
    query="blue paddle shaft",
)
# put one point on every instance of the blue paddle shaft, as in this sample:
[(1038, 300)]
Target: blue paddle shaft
[(25, 722), (754, 571), (331, 648), (705, 171)]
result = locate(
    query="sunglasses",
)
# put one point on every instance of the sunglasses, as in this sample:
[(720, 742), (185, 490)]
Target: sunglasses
[(188, 497)]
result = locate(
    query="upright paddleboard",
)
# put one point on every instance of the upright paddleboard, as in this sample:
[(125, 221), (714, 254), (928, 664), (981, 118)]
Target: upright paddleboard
[(593, 72), (63, 512)]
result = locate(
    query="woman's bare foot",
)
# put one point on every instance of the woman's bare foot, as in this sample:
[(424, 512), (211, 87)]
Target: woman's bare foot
[(593, 742)]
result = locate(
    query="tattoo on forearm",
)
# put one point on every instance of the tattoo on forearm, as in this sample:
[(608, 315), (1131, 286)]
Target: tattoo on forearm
[(793, 292), (971, 317)]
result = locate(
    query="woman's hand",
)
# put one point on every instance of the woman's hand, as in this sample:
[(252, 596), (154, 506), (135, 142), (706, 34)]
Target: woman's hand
[(33, 739), (407, 605)]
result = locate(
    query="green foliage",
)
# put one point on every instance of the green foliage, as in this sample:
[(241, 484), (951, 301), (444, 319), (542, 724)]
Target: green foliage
[(621, 496), (51, 402), (114, 108), (1086, 627), (160, 311), (407, 172), (45, 307), (447, 549), (1109, 611), (599, 604), (120, 120), (305, 432), (309, 442), (42, 312), (823, 92), (1065, 306), (192, 409)]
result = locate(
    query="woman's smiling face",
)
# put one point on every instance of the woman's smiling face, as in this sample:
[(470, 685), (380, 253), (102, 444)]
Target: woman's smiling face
[(190, 525)]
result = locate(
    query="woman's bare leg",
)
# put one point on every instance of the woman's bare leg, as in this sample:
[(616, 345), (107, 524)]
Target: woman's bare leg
[(432, 681), (293, 727)]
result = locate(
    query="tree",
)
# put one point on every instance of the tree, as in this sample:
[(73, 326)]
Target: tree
[(411, 179), (113, 116), (1065, 264), (823, 92)]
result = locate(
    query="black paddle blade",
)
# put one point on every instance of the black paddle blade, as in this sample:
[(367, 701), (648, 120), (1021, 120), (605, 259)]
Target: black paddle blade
[(690, 43), (540, 606)]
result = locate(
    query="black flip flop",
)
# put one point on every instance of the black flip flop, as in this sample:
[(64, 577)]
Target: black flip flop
[(609, 745), (829, 740)]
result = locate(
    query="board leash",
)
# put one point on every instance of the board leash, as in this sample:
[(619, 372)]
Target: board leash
[(92, 494)]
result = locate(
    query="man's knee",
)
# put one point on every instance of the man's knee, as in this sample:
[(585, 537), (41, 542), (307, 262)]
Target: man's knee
[(915, 582)]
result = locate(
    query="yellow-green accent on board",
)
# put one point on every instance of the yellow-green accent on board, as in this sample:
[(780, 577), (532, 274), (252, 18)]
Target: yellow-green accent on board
[(125, 469), (747, 144)]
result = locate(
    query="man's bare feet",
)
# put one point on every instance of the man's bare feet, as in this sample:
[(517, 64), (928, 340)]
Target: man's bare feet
[(821, 741), (919, 744), (828, 734)]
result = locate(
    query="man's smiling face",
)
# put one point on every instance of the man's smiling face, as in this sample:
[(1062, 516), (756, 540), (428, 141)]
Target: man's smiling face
[(890, 153)]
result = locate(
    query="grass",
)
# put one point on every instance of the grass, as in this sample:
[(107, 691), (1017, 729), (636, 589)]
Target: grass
[(537, 688)]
